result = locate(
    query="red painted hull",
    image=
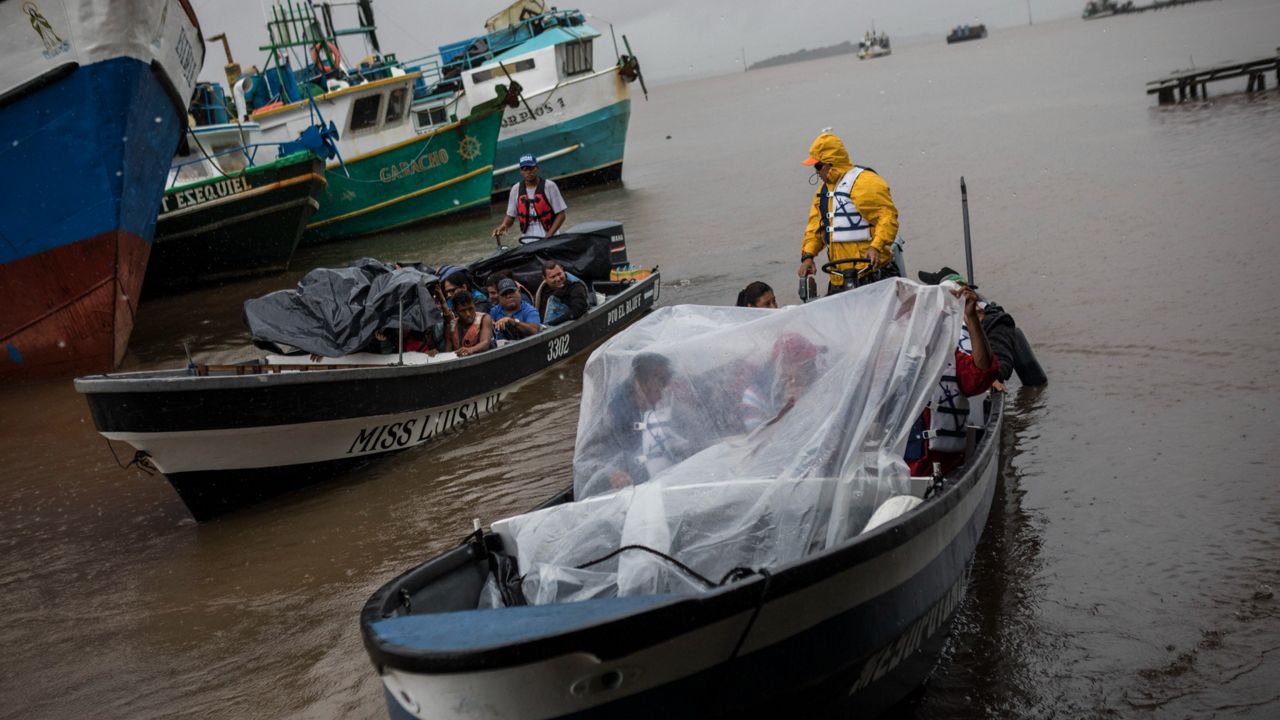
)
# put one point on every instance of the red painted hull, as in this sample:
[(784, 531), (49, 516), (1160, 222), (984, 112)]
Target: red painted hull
[(70, 310)]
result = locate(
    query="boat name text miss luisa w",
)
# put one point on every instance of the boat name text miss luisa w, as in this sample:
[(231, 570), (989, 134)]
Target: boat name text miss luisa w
[(390, 436)]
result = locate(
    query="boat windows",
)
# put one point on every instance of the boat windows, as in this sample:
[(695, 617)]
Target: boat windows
[(577, 57), (396, 106), (430, 117), (512, 69), (364, 112)]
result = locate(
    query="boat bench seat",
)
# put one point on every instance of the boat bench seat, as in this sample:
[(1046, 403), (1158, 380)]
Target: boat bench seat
[(493, 627)]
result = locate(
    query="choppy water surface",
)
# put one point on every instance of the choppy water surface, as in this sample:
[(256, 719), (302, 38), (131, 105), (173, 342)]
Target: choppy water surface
[(1130, 564)]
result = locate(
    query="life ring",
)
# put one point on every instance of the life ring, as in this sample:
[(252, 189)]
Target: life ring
[(321, 60)]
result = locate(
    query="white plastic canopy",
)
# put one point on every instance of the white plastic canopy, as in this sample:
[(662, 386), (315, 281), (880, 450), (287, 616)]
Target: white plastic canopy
[(736, 438)]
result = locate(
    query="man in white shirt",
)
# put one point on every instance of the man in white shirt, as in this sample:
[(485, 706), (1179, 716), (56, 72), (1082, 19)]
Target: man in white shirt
[(534, 203)]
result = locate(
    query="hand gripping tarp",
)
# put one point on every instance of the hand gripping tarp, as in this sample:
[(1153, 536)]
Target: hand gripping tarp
[(739, 438), (335, 311)]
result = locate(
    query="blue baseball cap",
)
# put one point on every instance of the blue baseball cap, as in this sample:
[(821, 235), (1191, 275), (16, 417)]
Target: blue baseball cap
[(528, 161)]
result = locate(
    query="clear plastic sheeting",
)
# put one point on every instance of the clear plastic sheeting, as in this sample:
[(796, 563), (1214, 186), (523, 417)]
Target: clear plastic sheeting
[(335, 312), (736, 438)]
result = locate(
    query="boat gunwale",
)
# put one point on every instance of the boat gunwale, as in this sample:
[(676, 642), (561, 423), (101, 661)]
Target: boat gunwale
[(662, 622)]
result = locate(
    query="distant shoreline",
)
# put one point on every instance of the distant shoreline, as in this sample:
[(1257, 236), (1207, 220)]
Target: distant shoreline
[(845, 48)]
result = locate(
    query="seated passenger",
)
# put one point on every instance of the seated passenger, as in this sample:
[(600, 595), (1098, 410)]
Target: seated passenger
[(633, 442), (513, 317), (562, 297), (970, 371), (468, 331), (385, 341), (757, 295), (459, 280), (491, 287), (793, 369)]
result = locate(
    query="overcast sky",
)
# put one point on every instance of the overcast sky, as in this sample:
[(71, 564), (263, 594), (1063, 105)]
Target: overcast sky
[(672, 38)]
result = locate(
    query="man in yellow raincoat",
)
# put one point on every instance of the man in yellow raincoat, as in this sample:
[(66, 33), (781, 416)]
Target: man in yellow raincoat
[(852, 216)]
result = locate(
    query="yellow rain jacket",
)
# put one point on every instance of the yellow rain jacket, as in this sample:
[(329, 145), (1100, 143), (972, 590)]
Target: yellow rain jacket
[(869, 193)]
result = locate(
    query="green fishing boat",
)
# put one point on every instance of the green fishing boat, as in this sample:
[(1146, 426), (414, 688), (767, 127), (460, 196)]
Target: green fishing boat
[(386, 174)]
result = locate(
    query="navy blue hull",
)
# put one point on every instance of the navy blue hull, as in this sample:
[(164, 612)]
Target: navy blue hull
[(85, 158)]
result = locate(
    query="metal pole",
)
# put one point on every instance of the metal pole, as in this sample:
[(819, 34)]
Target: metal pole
[(968, 246), (1028, 12), (400, 331)]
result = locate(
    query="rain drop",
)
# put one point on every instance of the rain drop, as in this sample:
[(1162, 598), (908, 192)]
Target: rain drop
[(455, 201), (119, 173), (15, 143), (159, 119), (62, 344)]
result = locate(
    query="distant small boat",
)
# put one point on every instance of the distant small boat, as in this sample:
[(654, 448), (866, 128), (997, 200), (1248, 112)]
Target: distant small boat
[(574, 118), (225, 215), (963, 33), (93, 102), (226, 436), (873, 45)]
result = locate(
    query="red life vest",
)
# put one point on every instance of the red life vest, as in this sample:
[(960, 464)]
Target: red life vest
[(533, 208)]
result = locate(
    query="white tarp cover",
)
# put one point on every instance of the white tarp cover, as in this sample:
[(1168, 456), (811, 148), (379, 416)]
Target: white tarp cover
[(750, 438)]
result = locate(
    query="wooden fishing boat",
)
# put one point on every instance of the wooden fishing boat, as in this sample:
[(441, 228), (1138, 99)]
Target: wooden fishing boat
[(386, 174), (574, 115), (234, 222), (844, 631), (225, 436), (93, 101)]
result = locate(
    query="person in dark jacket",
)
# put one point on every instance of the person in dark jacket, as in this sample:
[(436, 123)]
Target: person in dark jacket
[(1007, 342), (562, 297)]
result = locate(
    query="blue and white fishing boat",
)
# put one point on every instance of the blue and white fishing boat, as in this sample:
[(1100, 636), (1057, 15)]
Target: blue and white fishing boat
[(574, 115), (93, 101)]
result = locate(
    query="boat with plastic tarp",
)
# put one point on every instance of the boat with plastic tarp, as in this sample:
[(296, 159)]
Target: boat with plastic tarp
[(575, 111), (742, 538), (386, 175), (226, 214), (320, 402), (93, 102)]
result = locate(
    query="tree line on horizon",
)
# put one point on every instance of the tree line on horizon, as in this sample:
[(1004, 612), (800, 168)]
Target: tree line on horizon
[(843, 48)]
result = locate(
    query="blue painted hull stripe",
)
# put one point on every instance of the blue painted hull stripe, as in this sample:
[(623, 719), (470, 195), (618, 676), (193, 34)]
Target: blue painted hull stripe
[(107, 133)]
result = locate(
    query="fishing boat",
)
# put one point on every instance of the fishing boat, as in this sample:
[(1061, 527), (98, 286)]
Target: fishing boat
[(226, 216), (93, 101), (964, 33), (796, 570), (873, 45), (386, 174), (575, 113), (228, 435)]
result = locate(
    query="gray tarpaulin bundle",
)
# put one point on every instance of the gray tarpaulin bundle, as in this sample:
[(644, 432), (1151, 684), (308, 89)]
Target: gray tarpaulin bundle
[(335, 311), (737, 438)]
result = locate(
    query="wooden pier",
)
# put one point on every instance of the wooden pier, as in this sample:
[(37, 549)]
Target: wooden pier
[(1194, 84)]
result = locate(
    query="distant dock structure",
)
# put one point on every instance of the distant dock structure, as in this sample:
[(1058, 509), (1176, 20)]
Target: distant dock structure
[(1095, 9), (1194, 84)]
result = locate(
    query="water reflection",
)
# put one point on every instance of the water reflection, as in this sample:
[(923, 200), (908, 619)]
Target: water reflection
[(997, 636)]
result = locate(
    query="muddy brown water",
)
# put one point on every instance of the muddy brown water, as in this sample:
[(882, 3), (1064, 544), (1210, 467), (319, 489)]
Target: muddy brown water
[(1130, 563)]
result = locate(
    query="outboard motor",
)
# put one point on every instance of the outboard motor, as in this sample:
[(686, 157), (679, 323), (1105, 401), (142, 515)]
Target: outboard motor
[(611, 229)]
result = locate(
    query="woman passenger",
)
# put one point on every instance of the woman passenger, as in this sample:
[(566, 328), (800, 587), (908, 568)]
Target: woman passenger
[(757, 295)]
